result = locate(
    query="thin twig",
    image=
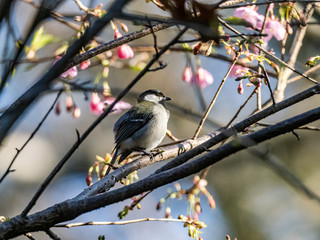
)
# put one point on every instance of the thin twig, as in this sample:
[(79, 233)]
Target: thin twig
[(215, 97), (296, 78), (258, 90), (70, 225), (311, 128), (52, 235), (31, 136), (266, 77), (29, 235), (82, 6), (267, 2)]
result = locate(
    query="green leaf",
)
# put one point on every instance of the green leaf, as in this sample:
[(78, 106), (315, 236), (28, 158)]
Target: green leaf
[(41, 39)]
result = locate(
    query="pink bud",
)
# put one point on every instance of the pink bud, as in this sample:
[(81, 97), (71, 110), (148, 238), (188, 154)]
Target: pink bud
[(89, 180), (125, 51), (57, 108), (70, 73), (240, 88), (120, 106), (187, 74), (202, 78), (69, 103), (117, 34), (85, 64), (96, 106), (196, 49), (76, 112), (124, 27)]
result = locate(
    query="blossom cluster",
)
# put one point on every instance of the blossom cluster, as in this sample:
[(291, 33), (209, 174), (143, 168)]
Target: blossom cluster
[(272, 26), (202, 77)]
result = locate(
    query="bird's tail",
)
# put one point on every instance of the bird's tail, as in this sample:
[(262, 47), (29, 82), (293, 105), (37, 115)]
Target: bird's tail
[(123, 156), (113, 160)]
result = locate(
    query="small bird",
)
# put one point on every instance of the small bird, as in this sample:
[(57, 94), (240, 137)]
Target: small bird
[(143, 127)]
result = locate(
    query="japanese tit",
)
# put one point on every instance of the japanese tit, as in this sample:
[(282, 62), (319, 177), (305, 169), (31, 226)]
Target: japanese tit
[(143, 127)]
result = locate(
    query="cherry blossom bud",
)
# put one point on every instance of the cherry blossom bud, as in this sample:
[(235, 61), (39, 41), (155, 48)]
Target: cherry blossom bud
[(125, 51), (240, 88), (89, 180), (117, 34), (57, 108), (103, 171), (196, 49), (106, 89), (202, 78), (96, 106), (70, 73), (289, 29), (275, 67), (312, 61), (168, 212), (209, 50), (187, 74), (197, 208), (212, 202), (160, 203), (119, 107), (76, 112), (124, 27), (85, 64), (195, 216), (69, 103)]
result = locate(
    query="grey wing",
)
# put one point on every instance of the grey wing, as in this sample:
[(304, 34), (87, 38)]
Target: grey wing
[(129, 123)]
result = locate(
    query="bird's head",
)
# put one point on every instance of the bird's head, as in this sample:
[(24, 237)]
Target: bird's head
[(154, 96)]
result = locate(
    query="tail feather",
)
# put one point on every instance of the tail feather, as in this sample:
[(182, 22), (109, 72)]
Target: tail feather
[(123, 156), (112, 162)]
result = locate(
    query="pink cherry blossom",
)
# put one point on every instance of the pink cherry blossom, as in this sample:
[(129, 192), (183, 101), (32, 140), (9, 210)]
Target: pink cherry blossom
[(85, 64), (76, 112), (117, 34), (250, 15), (274, 28), (70, 73), (125, 51), (240, 88), (202, 78), (96, 105), (119, 107), (187, 74), (237, 71)]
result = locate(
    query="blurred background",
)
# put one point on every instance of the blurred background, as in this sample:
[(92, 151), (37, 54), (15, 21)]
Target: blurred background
[(253, 202)]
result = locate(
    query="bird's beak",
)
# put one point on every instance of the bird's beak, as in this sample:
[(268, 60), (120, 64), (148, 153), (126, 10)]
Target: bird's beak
[(167, 98)]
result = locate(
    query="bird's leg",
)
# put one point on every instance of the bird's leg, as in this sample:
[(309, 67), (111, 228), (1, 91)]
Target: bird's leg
[(147, 153), (158, 150)]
